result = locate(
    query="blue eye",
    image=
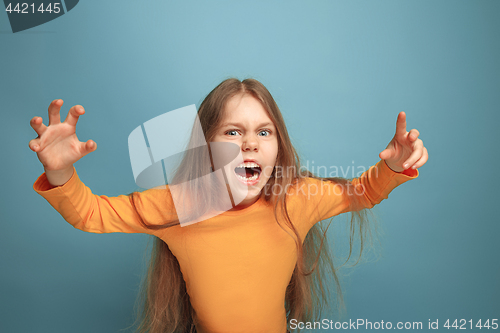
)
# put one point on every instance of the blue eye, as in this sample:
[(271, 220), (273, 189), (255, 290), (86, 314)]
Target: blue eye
[(232, 132), (266, 132), (236, 132)]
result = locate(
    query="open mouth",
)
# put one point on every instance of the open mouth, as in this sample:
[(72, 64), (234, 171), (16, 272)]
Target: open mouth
[(248, 172)]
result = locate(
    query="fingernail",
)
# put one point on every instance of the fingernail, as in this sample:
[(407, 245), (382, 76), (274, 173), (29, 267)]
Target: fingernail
[(405, 165)]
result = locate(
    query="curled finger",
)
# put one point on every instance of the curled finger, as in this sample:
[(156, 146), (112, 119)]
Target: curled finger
[(413, 134), (73, 114), (54, 109), (422, 160), (414, 157), (35, 145), (87, 147), (37, 124)]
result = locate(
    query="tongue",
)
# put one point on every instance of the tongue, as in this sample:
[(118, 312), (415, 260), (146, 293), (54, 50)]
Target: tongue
[(245, 172)]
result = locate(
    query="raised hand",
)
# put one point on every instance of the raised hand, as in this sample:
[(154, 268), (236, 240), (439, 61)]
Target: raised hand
[(57, 145), (405, 150)]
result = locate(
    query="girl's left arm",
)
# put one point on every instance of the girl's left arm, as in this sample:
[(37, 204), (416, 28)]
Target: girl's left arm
[(399, 163)]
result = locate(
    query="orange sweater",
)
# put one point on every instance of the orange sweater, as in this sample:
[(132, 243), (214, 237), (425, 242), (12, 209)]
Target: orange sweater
[(236, 265)]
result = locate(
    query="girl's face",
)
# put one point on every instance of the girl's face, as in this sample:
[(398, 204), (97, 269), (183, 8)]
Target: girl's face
[(247, 124)]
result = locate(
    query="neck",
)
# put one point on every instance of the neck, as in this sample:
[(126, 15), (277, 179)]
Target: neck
[(245, 204)]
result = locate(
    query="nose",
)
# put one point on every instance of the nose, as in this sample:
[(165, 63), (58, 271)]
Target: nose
[(250, 143)]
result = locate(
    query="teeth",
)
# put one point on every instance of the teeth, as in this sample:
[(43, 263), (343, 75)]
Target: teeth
[(248, 165), (249, 178)]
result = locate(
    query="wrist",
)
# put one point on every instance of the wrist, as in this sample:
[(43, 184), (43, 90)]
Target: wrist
[(393, 167), (59, 177)]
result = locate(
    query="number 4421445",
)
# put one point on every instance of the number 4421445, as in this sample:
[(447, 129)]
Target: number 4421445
[(464, 324), (24, 8)]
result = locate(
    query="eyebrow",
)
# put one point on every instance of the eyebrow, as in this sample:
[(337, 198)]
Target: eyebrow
[(240, 125)]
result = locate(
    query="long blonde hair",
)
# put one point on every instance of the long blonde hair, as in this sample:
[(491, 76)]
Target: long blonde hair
[(165, 303)]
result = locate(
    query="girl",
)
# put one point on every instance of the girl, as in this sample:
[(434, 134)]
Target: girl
[(254, 267)]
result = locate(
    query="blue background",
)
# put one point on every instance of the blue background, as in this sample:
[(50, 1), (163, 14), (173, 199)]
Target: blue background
[(340, 71)]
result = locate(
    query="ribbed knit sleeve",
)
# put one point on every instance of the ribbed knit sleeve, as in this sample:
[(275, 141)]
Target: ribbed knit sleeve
[(102, 214), (314, 200)]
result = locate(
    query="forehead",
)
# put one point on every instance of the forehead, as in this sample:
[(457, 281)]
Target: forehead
[(244, 108)]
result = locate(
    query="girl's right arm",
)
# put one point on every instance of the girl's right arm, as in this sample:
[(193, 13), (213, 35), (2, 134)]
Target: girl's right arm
[(58, 148)]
